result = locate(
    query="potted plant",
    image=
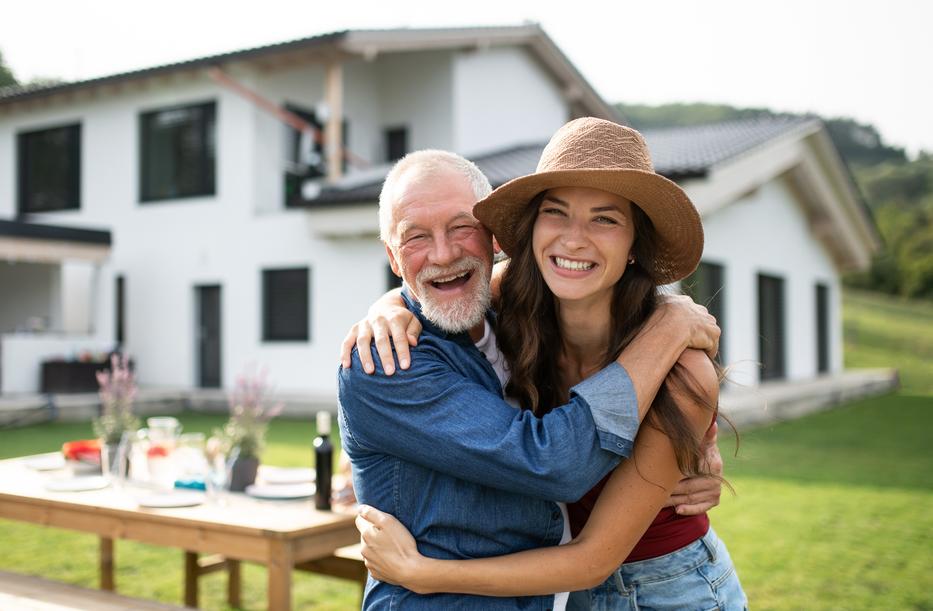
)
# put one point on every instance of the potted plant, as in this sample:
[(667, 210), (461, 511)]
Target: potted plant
[(244, 434), (117, 390)]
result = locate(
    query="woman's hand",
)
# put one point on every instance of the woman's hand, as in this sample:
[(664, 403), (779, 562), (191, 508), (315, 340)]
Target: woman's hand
[(388, 319), (389, 551)]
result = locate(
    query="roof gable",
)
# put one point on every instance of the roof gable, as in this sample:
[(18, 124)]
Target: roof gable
[(582, 96)]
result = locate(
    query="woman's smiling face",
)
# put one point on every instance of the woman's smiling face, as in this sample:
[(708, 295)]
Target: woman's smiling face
[(581, 241)]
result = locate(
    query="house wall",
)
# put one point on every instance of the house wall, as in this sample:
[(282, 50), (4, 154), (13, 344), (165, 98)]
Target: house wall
[(502, 97), (767, 232), (165, 249)]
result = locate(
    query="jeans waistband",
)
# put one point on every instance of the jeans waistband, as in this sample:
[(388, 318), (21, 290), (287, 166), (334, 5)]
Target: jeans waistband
[(669, 565)]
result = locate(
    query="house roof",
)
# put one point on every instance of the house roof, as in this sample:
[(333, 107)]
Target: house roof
[(678, 153), (34, 231), (51, 244), (365, 44)]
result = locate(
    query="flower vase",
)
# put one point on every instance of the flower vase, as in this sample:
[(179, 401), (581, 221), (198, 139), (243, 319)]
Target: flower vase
[(243, 470), (114, 462)]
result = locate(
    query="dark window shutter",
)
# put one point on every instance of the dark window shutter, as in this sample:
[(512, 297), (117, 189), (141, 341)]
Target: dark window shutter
[(771, 327), (286, 304), (822, 328), (396, 143), (49, 169), (178, 152)]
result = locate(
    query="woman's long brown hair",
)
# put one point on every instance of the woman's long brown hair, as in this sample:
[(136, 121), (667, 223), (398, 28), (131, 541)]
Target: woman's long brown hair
[(528, 335)]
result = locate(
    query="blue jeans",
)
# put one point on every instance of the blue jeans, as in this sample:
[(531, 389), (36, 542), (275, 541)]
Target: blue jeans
[(697, 577)]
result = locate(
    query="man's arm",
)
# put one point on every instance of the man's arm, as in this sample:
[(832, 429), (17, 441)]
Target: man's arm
[(434, 416)]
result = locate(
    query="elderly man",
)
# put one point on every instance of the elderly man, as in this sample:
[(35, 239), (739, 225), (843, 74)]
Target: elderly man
[(435, 444)]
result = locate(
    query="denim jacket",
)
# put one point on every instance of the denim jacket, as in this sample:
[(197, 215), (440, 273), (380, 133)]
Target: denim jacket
[(469, 475)]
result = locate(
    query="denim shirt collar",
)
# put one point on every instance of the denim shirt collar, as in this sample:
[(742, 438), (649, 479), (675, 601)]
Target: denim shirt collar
[(462, 338)]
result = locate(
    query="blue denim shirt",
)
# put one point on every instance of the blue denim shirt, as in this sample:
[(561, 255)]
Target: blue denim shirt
[(469, 475)]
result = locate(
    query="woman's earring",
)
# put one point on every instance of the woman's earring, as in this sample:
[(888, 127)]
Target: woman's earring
[(631, 260)]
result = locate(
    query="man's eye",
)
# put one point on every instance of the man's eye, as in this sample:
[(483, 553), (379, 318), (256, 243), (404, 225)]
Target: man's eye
[(414, 238)]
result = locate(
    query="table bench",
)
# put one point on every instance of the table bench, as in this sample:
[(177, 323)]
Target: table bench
[(29, 593)]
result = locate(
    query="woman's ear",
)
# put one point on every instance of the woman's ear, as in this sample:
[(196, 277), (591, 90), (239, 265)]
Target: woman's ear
[(495, 246)]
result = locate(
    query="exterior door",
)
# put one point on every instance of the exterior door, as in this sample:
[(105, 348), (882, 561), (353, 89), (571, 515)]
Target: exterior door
[(208, 336)]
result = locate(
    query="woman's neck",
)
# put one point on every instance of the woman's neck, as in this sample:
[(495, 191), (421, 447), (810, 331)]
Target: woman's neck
[(584, 331)]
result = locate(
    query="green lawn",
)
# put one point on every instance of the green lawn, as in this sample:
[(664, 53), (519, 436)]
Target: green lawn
[(833, 511), (882, 331)]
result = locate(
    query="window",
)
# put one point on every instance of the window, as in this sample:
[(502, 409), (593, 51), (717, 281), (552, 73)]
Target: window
[(392, 281), (706, 286), (49, 169), (305, 157), (178, 152), (396, 143), (120, 307), (822, 328), (285, 304), (771, 327)]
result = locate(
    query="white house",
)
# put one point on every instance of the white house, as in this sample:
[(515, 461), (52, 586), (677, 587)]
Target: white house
[(227, 231)]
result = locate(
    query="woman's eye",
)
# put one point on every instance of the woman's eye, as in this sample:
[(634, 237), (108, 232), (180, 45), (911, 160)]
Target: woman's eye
[(606, 220), (552, 211)]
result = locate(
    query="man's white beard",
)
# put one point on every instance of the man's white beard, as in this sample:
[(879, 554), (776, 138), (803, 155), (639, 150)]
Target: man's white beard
[(459, 315)]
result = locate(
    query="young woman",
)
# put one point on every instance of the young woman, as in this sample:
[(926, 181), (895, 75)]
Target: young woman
[(591, 234)]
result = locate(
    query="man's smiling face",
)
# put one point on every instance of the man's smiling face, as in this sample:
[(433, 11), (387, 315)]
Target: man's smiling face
[(441, 251)]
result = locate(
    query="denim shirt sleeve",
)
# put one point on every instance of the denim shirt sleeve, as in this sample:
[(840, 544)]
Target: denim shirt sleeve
[(436, 417), (610, 395)]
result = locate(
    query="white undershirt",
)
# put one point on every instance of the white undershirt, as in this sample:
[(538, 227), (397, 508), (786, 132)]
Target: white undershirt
[(487, 345)]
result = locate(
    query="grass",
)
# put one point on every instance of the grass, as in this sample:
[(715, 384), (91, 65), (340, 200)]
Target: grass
[(882, 331), (832, 511)]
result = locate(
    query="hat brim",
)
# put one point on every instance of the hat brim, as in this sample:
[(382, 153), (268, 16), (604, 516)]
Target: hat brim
[(676, 220)]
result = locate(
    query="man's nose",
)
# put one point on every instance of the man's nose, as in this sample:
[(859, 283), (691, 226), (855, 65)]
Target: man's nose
[(444, 252)]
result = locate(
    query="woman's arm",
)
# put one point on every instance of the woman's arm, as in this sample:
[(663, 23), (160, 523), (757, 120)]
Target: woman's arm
[(631, 499), (387, 319)]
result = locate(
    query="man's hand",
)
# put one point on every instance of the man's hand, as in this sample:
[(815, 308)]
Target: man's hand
[(388, 319), (695, 495), (702, 330)]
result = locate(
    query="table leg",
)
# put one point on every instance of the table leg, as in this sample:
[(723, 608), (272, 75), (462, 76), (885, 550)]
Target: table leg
[(106, 564), (281, 562), (233, 582), (191, 579)]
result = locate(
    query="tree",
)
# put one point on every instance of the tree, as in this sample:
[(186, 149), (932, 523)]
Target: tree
[(6, 74)]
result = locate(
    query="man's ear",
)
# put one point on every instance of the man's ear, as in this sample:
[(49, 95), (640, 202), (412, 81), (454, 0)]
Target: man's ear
[(392, 262)]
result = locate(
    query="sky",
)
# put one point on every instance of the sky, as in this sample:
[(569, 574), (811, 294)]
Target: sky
[(863, 59)]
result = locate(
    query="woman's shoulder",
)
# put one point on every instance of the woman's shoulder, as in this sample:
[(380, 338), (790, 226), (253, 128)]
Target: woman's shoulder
[(696, 391)]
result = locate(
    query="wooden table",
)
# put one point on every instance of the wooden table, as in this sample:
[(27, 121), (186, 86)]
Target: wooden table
[(278, 534)]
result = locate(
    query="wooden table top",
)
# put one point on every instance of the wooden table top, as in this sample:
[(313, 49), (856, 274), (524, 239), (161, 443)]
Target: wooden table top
[(239, 513)]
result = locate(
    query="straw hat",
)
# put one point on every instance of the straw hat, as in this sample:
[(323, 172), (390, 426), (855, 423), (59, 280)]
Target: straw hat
[(599, 154)]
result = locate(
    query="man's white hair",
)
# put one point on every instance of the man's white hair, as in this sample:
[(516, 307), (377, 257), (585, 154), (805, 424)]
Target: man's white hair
[(426, 163)]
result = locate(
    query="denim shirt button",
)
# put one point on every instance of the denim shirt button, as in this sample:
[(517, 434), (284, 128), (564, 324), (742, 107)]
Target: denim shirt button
[(618, 445)]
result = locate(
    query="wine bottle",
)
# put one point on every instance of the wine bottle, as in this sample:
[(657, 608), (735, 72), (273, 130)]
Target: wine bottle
[(323, 462)]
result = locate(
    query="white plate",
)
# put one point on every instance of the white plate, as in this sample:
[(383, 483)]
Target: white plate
[(286, 475), (48, 462), (280, 492), (175, 498), (76, 484)]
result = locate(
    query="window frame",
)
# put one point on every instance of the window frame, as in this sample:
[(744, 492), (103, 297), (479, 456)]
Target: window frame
[(266, 311), (22, 160), (208, 186)]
